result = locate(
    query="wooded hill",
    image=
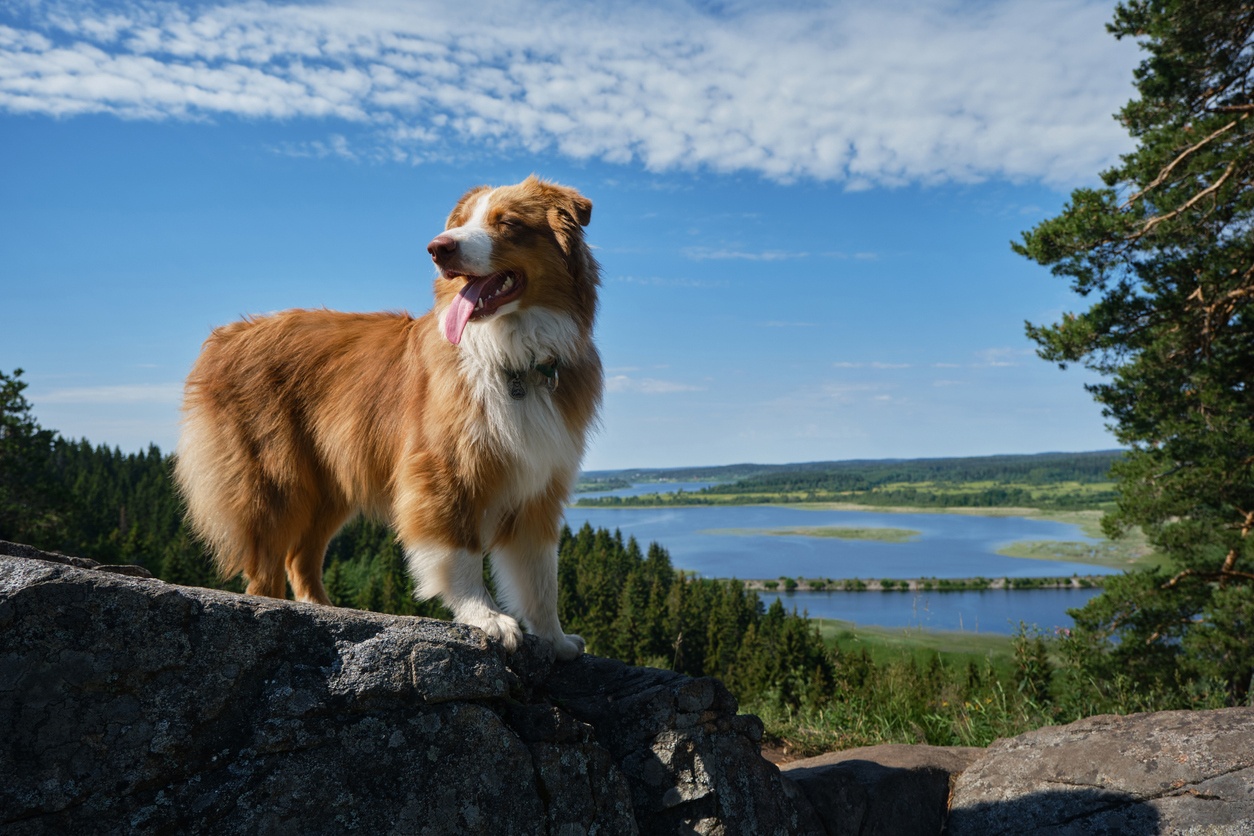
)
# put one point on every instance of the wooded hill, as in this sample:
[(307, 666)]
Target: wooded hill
[(1038, 468), (1046, 480)]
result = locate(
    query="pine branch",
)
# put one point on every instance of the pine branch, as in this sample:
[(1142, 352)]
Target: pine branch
[(1193, 201), (1185, 154)]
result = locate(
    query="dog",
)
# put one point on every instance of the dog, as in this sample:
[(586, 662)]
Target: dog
[(463, 428)]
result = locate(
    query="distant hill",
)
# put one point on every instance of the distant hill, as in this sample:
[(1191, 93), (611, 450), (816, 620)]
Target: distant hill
[(1045, 467), (1042, 480)]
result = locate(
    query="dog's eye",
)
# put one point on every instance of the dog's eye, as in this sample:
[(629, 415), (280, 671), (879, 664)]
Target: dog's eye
[(510, 223)]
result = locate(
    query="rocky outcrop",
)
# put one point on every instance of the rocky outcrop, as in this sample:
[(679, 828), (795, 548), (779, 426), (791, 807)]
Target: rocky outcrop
[(128, 705), (131, 705), (1186, 772)]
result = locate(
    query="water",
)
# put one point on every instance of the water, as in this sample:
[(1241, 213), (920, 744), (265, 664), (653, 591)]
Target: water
[(642, 488), (949, 546), (986, 611)]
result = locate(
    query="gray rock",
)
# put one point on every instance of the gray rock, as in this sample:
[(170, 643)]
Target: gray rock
[(132, 705), (693, 764), (886, 790), (1179, 772)]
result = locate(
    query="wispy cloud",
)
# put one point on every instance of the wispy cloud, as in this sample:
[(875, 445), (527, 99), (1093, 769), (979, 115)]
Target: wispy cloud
[(669, 281), (127, 393), (876, 364), (646, 385), (998, 357), (726, 254), (861, 94)]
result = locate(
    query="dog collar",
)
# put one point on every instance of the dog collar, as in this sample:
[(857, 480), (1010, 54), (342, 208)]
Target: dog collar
[(539, 374)]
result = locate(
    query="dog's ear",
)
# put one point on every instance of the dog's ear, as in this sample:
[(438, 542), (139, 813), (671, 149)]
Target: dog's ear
[(568, 212), (581, 208)]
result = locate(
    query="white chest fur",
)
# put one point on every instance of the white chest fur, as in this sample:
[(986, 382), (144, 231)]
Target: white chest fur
[(529, 431)]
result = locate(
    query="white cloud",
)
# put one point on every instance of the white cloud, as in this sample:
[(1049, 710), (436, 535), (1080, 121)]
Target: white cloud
[(646, 385), (862, 94)]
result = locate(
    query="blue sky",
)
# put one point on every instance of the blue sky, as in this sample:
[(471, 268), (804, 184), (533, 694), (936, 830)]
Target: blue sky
[(802, 210)]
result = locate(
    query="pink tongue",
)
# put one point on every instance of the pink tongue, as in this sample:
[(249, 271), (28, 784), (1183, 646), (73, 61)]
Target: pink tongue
[(458, 313)]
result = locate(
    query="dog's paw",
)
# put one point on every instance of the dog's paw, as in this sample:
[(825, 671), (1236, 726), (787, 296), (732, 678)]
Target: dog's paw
[(501, 627), (568, 647)]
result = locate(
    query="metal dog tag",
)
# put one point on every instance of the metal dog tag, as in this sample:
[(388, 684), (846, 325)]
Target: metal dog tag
[(517, 389)]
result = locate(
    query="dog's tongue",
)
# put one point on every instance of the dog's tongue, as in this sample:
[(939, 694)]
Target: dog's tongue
[(458, 313)]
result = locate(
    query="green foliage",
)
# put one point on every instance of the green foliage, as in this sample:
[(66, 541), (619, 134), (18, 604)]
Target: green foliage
[(639, 609), (32, 500), (1166, 252), (365, 569), (908, 698)]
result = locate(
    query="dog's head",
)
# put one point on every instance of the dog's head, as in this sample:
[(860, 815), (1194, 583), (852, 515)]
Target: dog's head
[(513, 248)]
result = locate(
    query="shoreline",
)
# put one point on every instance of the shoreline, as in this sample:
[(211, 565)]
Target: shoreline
[(787, 585)]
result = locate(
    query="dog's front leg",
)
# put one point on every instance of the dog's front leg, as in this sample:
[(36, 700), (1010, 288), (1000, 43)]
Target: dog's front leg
[(456, 576), (526, 582)]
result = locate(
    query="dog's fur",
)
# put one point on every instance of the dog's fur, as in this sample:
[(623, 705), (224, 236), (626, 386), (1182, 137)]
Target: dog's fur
[(295, 422)]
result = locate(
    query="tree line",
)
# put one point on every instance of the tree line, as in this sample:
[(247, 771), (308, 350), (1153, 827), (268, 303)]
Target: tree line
[(1047, 480)]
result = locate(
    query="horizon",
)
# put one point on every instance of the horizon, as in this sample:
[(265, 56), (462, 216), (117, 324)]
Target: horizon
[(803, 214)]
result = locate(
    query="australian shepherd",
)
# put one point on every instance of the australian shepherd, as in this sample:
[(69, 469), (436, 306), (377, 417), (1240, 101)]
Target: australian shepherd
[(463, 428)]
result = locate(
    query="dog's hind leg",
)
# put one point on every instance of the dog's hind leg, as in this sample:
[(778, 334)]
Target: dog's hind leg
[(264, 571), (304, 560)]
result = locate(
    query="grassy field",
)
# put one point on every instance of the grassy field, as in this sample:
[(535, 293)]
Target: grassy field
[(883, 535), (888, 644), (931, 496)]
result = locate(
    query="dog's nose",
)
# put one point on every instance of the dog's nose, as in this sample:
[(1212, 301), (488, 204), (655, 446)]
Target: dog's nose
[(441, 247)]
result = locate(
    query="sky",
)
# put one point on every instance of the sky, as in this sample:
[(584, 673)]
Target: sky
[(803, 210)]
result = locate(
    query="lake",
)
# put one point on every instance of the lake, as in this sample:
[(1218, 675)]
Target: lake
[(949, 546), (987, 611)]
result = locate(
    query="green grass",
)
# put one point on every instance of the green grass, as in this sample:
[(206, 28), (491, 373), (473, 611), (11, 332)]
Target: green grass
[(890, 644), (1130, 551), (911, 686), (929, 495), (883, 535)]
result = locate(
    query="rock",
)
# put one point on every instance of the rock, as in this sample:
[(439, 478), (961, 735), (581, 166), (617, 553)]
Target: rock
[(132, 705), (1185, 772), (886, 790), (128, 705), (677, 739)]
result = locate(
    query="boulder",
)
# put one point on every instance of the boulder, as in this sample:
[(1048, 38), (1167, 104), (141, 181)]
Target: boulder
[(1185, 772), (132, 705), (885, 790)]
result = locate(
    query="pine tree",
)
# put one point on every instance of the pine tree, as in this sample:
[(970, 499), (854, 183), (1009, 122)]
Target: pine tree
[(32, 501), (1166, 249)]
